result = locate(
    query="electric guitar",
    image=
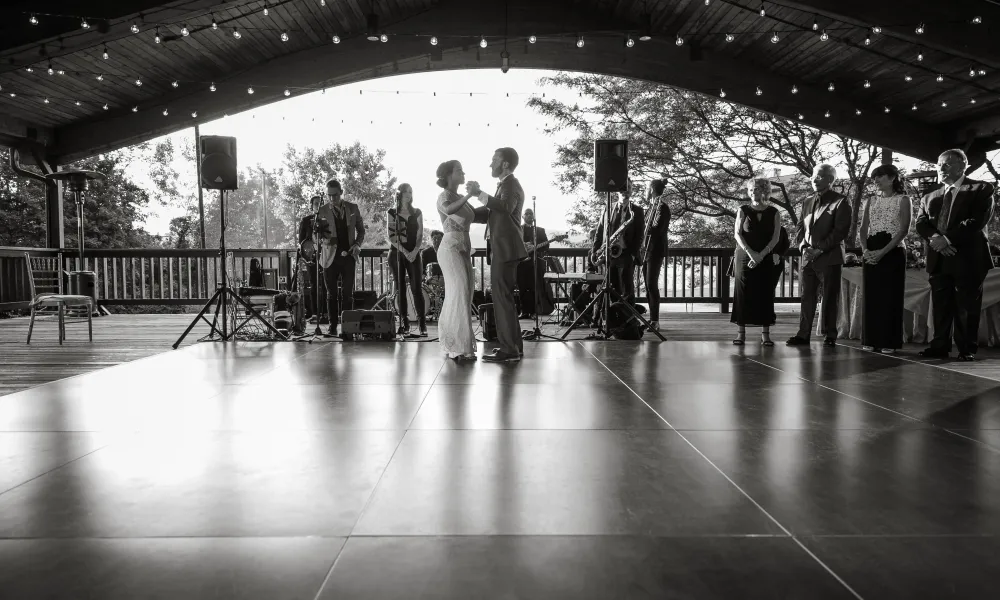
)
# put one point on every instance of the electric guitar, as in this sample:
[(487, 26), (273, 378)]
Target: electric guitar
[(531, 247)]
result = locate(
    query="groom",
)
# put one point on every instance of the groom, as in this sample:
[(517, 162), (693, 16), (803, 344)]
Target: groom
[(504, 250)]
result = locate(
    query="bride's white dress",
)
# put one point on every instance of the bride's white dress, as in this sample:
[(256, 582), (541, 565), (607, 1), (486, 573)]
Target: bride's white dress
[(455, 259)]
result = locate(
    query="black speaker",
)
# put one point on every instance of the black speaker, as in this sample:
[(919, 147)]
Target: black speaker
[(611, 166), (218, 162)]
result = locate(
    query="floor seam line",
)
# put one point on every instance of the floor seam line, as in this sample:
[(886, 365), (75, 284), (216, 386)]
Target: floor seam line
[(81, 457), (789, 534)]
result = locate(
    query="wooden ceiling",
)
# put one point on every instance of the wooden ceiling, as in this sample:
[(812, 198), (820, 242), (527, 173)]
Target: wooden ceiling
[(727, 46)]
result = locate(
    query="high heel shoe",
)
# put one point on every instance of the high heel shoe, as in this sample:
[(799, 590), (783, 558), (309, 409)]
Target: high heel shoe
[(766, 341)]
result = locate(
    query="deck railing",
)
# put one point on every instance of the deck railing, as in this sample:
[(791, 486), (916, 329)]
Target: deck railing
[(190, 277)]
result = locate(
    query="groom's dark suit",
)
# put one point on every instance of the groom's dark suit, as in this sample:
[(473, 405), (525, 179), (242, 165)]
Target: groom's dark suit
[(504, 249)]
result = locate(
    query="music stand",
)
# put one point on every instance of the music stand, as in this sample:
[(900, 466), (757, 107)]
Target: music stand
[(607, 292), (224, 295), (536, 335)]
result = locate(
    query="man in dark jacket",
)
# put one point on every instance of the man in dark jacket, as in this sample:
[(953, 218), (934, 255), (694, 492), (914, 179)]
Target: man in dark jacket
[(621, 269)]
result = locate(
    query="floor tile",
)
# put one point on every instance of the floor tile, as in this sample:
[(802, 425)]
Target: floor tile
[(577, 568), (553, 483), (534, 406), (902, 481), (214, 484), (915, 568), (167, 569), (24, 456)]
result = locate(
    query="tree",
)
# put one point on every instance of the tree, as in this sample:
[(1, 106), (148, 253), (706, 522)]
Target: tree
[(704, 148), (245, 213)]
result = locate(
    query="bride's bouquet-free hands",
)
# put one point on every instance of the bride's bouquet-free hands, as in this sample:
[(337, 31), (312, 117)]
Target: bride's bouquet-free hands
[(472, 188)]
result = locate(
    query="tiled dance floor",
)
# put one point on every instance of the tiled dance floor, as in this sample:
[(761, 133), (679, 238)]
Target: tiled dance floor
[(589, 471)]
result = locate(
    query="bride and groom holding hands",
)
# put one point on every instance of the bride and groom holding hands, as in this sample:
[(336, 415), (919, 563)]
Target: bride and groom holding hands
[(501, 212)]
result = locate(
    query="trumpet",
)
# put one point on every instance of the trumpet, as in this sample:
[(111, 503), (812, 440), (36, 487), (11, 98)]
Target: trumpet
[(616, 243)]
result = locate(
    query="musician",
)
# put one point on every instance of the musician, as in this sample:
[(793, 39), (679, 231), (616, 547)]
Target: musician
[(404, 229), (624, 230), (429, 257), (341, 232), (526, 274), (654, 248), (307, 270)]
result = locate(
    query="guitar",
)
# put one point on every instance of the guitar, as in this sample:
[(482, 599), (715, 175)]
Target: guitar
[(531, 247)]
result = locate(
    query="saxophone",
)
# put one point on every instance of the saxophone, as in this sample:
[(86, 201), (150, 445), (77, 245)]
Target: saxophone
[(616, 245)]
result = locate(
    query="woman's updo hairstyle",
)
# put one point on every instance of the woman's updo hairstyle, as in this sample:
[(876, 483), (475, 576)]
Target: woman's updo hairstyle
[(444, 171)]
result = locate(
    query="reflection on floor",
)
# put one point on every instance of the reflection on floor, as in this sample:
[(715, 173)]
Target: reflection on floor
[(589, 470)]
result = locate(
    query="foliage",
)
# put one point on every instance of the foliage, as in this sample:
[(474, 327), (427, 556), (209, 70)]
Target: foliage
[(704, 148)]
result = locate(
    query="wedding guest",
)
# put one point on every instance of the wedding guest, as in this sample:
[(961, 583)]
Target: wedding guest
[(885, 223), (823, 227), (757, 233)]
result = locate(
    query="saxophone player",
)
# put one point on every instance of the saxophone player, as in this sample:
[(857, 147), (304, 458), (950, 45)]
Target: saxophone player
[(624, 231)]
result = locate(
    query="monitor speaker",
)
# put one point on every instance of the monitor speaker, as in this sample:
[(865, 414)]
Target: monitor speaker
[(611, 166), (218, 162)]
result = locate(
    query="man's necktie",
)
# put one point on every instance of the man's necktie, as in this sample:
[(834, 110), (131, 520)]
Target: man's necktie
[(945, 214)]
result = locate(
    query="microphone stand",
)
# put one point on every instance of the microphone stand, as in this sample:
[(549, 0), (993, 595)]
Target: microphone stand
[(317, 334), (536, 335)]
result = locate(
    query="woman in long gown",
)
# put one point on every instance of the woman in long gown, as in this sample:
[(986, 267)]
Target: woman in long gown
[(455, 259), (757, 232), (885, 224)]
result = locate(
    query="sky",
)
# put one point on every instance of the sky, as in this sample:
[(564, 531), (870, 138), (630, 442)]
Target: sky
[(417, 129)]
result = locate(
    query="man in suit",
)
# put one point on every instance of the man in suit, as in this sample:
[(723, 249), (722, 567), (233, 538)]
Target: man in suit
[(504, 250), (823, 227), (953, 222), (341, 232), (308, 272), (621, 270), (526, 274)]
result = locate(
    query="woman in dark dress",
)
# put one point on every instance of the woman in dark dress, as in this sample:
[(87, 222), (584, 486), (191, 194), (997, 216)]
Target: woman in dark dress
[(885, 224), (405, 233), (757, 233)]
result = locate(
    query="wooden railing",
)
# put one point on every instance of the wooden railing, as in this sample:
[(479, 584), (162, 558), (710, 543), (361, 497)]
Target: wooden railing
[(190, 277)]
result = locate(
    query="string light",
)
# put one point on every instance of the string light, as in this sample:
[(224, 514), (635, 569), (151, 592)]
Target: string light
[(336, 39), (795, 89), (100, 77), (434, 40), (105, 107), (972, 72), (265, 9), (908, 77), (920, 57), (722, 93), (215, 25), (383, 38), (236, 33), (824, 36), (774, 37), (165, 112), (482, 42), (175, 84), (157, 38), (760, 92), (287, 92), (763, 13), (84, 24), (105, 55), (868, 84), (977, 20), (831, 87), (185, 31), (194, 114), (730, 37), (815, 25), (250, 90), (532, 39), (33, 19), (827, 114), (920, 29), (579, 41), (914, 107), (876, 30), (138, 82), (940, 78), (135, 109), (135, 28), (868, 41), (629, 42), (679, 41), (51, 71), (211, 88)]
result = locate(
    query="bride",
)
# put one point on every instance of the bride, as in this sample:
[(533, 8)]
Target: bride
[(455, 259)]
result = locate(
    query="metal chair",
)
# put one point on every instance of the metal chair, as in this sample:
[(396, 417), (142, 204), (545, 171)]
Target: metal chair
[(45, 276)]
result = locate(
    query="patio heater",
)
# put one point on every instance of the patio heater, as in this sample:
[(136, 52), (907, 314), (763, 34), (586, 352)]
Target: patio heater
[(77, 182)]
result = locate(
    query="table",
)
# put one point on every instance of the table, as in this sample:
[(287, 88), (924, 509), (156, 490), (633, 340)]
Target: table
[(918, 325)]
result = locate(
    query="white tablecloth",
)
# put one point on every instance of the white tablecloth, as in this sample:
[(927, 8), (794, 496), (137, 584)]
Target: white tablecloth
[(918, 326)]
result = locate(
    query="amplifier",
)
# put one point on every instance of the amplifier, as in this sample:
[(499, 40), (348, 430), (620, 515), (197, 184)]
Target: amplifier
[(365, 299), (368, 322), (489, 322)]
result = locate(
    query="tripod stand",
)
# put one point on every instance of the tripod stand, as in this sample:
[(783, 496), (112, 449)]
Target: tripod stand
[(224, 295), (536, 335), (606, 293)]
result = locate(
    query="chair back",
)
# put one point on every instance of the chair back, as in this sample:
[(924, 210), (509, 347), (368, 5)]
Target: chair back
[(44, 274)]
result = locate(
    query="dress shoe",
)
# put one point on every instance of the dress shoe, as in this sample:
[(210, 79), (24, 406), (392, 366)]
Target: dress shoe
[(499, 356), (423, 329), (797, 341), (933, 353), (830, 342), (967, 357)]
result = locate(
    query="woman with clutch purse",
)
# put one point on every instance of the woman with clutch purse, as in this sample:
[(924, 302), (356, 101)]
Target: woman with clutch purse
[(757, 233)]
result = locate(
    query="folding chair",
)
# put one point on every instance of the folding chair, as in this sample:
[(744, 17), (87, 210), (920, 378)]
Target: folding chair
[(45, 276)]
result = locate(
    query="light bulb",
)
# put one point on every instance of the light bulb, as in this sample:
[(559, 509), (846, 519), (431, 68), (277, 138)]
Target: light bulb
[(824, 36), (33, 20), (322, 2), (100, 77), (763, 13), (84, 24), (972, 72), (920, 56), (383, 38), (482, 42), (730, 37), (194, 114), (46, 101), (175, 84), (774, 38), (211, 88), (982, 72), (800, 116), (722, 93), (944, 105), (857, 111), (284, 36), (908, 77), (265, 11), (157, 37), (215, 25), (236, 33), (868, 84), (135, 28), (51, 70), (920, 29), (887, 110), (940, 78), (795, 89), (166, 112), (61, 72), (250, 90), (679, 41), (287, 92), (138, 82), (336, 39), (13, 95), (868, 41), (914, 107), (760, 92), (185, 31), (876, 30), (135, 109), (434, 41), (972, 101), (105, 55), (815, 25), (105, 107), (827, 114), (579, 42), (629, 42), (532, 39), (831, 87), (977, 20), (29, 69)]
